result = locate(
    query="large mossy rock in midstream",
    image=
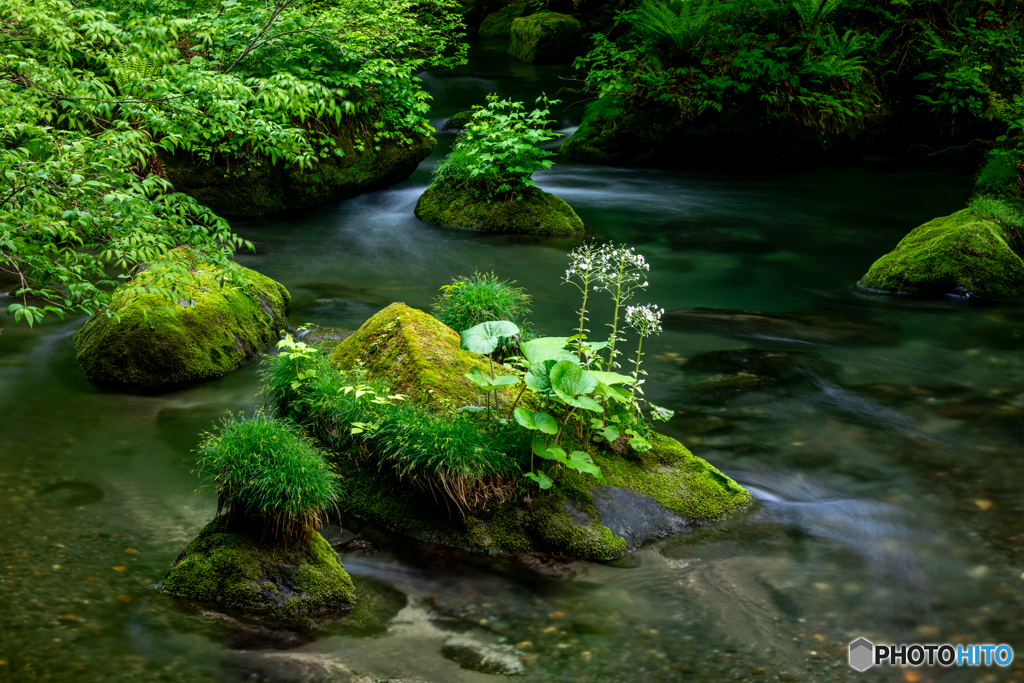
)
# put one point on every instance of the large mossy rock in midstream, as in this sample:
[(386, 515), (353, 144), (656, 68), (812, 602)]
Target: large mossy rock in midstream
[(298, 579), (648, 495), (960, 254), (734, 140), (149, 342), (545, 38), (256, 186), (499, 24), (536, 213), (421, 357)]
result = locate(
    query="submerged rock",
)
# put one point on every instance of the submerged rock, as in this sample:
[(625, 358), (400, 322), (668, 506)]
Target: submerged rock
[(254, 187), (499, 24), (960, 254), (545, 38), (783, 365), (817, 328), (537, 213), (148, 342), (725, 388), (299, 579), (326, 337)]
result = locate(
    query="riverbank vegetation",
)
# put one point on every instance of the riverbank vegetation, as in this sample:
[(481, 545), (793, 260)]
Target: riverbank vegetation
[(96, 99)]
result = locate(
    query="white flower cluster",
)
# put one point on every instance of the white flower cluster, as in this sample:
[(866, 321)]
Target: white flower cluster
[(646, 319), (584, 262), (613, 267)]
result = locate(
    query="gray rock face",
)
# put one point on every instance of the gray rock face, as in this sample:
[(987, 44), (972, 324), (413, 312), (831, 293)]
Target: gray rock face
[(637, 518)]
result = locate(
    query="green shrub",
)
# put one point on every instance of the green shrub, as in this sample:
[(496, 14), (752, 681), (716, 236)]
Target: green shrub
[(270, 478), (482, 297), (1001, 212), (1002, 174), (498, 153), (455, 457)]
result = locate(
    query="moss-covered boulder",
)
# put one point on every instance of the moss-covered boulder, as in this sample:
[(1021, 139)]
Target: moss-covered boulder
[(459, 121), (536, 213), (611, 135), (421, 356), (254, 186), (499, 24), (960, 254), (545, 38), (301, 578), (150, 342), (648, 496)]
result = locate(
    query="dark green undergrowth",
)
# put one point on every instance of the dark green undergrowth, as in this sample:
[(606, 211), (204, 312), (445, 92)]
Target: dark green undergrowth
[(481, 297)]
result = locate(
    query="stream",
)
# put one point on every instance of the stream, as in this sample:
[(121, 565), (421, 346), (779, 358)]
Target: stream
[(888, 489)]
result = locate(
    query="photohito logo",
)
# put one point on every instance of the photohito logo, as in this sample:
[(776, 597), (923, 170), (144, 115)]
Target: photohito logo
[(864, 654)]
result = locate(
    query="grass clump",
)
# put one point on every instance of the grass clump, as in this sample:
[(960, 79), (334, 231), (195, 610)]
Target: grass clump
[(270, 478), (482, 297), (449, 456)]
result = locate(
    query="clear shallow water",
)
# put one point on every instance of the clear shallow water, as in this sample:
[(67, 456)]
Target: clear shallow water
[(889, 501)]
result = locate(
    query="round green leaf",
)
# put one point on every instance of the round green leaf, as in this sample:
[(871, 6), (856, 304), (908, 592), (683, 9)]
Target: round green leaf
[(485, 337)]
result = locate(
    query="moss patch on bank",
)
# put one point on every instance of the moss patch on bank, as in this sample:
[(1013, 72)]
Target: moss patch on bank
[(959, 254), (299, 578), (537, 213), (545, 38), (149, 342), (254, 186)]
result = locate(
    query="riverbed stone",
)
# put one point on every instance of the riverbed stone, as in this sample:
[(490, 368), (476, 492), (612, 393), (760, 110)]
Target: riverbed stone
[(783, 365), (422, 358), (545, 38), (535, 213), (256, 186), (961, 254), (296, 579), (148, 342), (798, 327)]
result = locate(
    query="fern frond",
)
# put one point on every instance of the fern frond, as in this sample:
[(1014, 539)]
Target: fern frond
[(681, 24)]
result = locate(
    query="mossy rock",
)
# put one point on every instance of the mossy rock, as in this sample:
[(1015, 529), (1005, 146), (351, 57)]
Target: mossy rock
[(152, 343), (536, 213), (421, 357), (545, 38), (459, 121), (960, 254), (499, 24), (655, 138), (648, 496), (255, 186), (298, 579)]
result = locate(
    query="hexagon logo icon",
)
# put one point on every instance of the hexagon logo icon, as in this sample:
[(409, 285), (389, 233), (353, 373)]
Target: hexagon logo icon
[(862, 653)]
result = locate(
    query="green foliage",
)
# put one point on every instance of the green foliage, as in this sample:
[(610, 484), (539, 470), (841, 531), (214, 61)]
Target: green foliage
[(481, 297), (452, 457), (1003, 173), (485, 337), (90, 97), (999, 211), (268, 476), (676, 24), (813, 12), (497, 154)]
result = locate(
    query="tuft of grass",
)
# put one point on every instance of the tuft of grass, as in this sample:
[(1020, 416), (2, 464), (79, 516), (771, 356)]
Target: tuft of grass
[(999, 211), (271, 479), (457, 459), (482, 297)]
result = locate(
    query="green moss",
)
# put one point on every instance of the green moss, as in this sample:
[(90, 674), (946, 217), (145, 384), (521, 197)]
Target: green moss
[(545, 38), (298, 578), (419, 355), (537, 213), (459, 121), (153, 343), (957, 254), (655, 138), (255, 186), (677, 479), (499, 24)]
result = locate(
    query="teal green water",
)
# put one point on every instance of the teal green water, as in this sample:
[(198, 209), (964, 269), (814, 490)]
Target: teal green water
[(889, 500)]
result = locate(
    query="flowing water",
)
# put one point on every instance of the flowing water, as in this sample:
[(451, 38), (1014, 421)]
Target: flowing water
[(887, 485)]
